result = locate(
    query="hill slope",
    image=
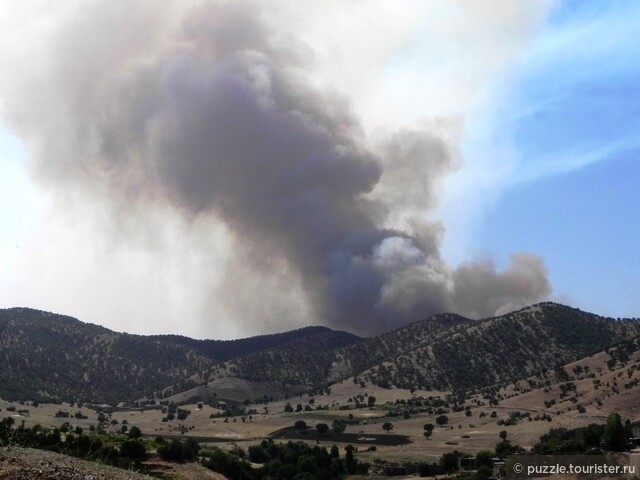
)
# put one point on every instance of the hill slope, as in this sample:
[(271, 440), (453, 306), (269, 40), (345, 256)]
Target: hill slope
[(44, 355), (315, 368), (49, 356), (498, 350), (299, 340), (447, 352), (592, 387)]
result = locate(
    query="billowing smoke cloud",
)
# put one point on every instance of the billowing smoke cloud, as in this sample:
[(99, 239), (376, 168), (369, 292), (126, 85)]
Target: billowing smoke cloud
[(210, 112)]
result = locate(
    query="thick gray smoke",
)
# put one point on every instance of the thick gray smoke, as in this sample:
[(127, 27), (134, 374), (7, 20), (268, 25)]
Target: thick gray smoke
[(217, 119)]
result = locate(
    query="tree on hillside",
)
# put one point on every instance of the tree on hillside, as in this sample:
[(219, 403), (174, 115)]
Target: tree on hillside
[(387, 426), (371, 401), (505, 448), (442, 420), (428, 429), (300, 425)]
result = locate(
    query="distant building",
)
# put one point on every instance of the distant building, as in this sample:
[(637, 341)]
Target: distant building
[(466, 464), (635, 436), (499, 470)]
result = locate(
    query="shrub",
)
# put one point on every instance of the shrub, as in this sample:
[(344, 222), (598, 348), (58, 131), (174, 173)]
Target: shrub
[(133, 449), (178, 451)]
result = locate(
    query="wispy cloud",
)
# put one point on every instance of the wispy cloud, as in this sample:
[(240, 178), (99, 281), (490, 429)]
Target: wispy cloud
[(569, 100), (577, 95)]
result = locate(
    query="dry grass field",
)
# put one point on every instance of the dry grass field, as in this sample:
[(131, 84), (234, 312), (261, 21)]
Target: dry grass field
[(478, 430), (582, 393)]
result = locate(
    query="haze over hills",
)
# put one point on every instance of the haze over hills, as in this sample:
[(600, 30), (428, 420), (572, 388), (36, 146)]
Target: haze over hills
[(44, 355)]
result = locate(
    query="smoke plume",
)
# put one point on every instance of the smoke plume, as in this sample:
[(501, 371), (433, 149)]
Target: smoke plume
[(209, 111)]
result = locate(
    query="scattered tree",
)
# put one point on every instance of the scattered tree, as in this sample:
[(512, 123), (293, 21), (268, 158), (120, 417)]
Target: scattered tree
[(449, 462), (350, 461), (338, 426), (334, 452), (371, 401), (614, 438), (322, 428), (442, 420)]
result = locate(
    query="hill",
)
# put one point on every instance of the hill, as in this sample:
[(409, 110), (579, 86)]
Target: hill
[(445, 352), (315, 368), (46, 356), (499, 350), (49, 356)]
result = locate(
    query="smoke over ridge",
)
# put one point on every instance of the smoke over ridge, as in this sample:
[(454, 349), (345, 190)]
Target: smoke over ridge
[(214, 116)]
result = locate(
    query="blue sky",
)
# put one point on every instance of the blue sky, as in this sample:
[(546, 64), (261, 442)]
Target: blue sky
[(540, 98), (573, 122)]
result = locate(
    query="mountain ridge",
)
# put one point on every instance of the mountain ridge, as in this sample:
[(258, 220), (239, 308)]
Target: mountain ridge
[(45, 355), (223, 350), (445, 342)]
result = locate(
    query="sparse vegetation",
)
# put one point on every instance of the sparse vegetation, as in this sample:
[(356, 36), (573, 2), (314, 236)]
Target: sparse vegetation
[(304, 399), (284, 461)]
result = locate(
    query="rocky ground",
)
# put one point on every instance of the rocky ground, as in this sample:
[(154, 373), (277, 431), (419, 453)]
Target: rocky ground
[(18, 463)]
